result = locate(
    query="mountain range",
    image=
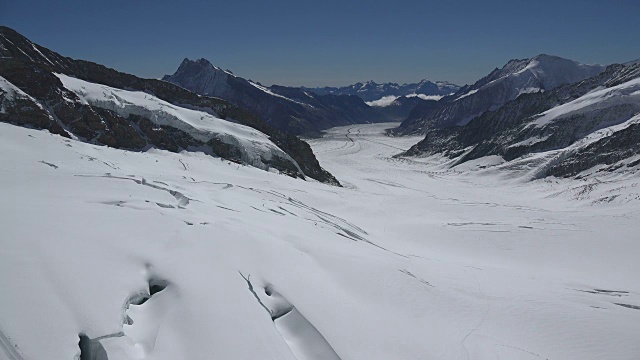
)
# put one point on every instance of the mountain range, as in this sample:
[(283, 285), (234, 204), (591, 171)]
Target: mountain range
[(371, 91), (294, 110), (538, 74), (590, 125), (558, 112), (84, 100)]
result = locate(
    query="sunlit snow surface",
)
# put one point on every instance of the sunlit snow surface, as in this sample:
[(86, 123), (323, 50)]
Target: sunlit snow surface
[(410, 260)]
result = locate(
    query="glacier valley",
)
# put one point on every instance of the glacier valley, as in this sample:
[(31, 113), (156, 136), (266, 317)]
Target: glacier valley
[(113, 254)]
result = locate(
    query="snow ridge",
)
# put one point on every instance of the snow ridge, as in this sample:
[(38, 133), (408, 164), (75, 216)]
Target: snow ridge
[(254, 145)]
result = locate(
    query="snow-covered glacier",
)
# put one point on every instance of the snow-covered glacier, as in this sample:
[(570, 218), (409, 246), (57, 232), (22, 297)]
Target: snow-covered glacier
[(113, 254)]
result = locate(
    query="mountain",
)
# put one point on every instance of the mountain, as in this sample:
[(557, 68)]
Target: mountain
[(372, 91), (517, 77), (592, 124), (80, 99), (400, 107), (294, 110)]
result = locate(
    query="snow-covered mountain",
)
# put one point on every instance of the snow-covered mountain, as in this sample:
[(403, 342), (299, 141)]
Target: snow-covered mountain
[(78, 99), (373, 92), (517, 77), (593, 124), (293, 110)]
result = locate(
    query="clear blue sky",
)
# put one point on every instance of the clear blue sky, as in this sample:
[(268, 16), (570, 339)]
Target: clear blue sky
[(330, 42)]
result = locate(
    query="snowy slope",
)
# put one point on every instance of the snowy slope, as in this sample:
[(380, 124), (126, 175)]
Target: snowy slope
[(255, 146), (625, 93), (174, 256), (9, 93)]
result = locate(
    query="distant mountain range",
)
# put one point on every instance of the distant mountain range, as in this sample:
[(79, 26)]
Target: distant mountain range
[(42, 89), (294, 110), (517, 77), (372, 91)]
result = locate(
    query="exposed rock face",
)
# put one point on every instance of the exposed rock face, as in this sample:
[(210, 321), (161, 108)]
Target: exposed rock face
[(293, 110), (516, 78), (33, 96), (568, 117), (371, 91)]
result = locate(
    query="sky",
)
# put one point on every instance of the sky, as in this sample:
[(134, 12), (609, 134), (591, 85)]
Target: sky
[(329, 43)]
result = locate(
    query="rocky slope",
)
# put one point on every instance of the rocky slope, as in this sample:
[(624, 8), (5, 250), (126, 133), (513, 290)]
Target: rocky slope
[(33, 95), (582, 125), (517, 77), (293, 110), (372, 91)]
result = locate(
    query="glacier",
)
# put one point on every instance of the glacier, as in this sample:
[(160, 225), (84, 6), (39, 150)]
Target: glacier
[(160, 255)]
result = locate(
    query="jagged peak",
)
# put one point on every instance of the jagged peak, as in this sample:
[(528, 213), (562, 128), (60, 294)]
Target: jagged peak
[(547, 56), (202, 64), (204, 61)]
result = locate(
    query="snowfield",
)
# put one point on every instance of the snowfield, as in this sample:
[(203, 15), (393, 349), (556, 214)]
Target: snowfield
[(157, 255)]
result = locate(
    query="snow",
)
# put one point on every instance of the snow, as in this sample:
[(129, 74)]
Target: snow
[(530, 141), (266, 90), (200, 125), (10, 92), (554, 157), (41, 54), (426, 97), (551, 71), (540, 73), (388, 100), (466, 94), (383, 102), (410, 260), (625, 93)]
